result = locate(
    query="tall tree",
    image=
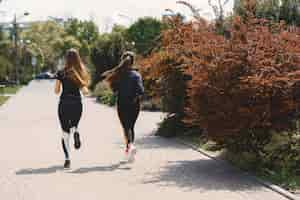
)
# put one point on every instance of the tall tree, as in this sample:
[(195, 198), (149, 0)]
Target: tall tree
[(6, 66), (287, 10), (145, 33), (86, 32), (107, 51), (269, 9), (51, 38), (290, 11)]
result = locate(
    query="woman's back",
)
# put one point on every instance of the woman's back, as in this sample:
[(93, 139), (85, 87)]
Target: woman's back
[(69, 89), (130, 86)]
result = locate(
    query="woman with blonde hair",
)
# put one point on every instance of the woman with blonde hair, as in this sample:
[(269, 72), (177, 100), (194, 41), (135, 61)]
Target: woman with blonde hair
[(70, 81), (127, 83)]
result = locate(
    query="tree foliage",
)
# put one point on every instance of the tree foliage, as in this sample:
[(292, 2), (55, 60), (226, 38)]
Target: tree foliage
[(48, 36), (86, 32), (145, 34), (6, 64), (5, 67), (163, 73), (290, 12), (107, 50), (52, 40), (276, 10)]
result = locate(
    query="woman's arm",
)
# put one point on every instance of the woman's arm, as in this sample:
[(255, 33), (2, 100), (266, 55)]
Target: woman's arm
[(139, 88), (57, 87)]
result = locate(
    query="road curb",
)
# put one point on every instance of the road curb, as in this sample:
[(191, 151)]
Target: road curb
[(267, 184)]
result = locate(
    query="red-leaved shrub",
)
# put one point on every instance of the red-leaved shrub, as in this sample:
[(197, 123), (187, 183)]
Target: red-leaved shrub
[(246, 82)]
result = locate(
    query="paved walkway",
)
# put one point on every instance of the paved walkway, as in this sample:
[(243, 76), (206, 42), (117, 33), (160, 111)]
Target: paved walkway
[(31, 158)]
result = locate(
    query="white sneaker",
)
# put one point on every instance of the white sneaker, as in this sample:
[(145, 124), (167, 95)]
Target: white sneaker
[(132, 153), (125, 156)]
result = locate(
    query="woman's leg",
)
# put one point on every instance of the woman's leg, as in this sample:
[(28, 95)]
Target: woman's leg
[(76, 116), (65, 125), (66, 145), (134, 113), (122, 113)]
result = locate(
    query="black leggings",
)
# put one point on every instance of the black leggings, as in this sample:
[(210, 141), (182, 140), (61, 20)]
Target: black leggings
[(128, 114), (69, 112)]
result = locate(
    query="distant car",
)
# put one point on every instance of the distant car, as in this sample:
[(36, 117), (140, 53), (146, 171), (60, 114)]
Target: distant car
[(45, 75), (8, 82)]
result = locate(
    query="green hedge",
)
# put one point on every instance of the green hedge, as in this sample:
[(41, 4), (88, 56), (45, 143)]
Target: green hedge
[(105, 95)]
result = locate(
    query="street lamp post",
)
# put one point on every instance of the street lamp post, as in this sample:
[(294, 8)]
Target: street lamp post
[(16, 38)]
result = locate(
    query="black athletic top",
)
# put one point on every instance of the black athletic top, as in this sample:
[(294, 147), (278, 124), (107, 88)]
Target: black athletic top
[(70, 91), (130, 86)]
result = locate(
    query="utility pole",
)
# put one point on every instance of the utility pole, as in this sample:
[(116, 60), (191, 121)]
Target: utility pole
[(15, 37), (16, 47)]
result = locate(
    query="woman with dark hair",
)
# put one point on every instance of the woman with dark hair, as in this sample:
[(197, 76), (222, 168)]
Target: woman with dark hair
[(71, 80), (128, 84)]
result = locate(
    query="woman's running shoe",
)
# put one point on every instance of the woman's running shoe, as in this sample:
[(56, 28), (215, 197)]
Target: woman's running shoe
[(132, 153), (67, 164), (125, 156)]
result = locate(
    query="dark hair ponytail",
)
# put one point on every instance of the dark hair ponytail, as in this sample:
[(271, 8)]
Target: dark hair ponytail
[(127, 62), (113, 76)]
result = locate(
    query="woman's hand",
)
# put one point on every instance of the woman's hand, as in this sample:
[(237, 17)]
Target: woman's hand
[(85, 91)]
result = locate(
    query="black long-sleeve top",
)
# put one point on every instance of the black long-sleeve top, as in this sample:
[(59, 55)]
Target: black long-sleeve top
[(130, 86)]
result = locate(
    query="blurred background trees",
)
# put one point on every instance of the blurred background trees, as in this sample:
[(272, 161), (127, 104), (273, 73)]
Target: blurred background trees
[(44, 44), (6, 65), (144, 34), (276, 10)]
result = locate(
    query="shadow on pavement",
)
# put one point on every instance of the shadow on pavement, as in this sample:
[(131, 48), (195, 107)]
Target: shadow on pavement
[(150, 141), (48, 170), (109, 168), (205, 174)]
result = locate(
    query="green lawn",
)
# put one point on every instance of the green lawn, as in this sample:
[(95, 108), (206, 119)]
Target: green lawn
[(8, 90), (3, 99), (11, 89), (282, 179)]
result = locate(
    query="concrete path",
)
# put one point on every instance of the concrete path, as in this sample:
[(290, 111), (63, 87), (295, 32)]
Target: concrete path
[(31, 158)]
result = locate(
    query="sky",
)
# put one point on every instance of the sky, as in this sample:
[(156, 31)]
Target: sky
[(103, 12)]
